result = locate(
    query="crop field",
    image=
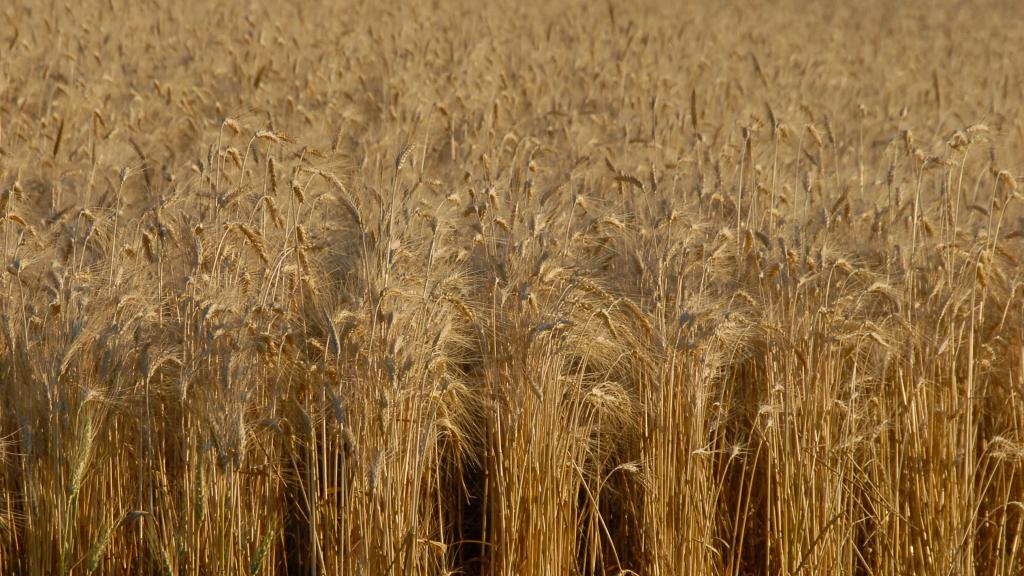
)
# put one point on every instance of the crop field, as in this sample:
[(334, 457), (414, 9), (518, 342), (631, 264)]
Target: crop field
[(647, 288)]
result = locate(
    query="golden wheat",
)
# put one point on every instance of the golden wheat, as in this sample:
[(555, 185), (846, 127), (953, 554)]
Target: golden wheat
[(543, 288)]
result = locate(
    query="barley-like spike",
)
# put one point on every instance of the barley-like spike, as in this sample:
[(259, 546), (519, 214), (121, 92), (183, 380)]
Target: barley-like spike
[(403, 157)]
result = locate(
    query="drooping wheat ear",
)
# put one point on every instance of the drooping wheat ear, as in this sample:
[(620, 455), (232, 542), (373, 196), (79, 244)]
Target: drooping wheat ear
[(147, 247), (461, 307), (375, 473), (591, 287), (334, 180), (982, 274), (785, 132), (1005, 449), (977, 129), (403, 157), (639, 315), (275, 215), (304, 266), (815, 135), (235, 155), (232, 125), (336, 144), (14, 217), (268, 136), (348, 441), (829, 132), (1006, 179), (255, 239), (273, 176), (608, 324), (613, 222), (297, 191), (908, 140)]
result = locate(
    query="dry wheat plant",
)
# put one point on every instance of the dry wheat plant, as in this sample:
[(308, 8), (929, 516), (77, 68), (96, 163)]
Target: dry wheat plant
[(524, 288)]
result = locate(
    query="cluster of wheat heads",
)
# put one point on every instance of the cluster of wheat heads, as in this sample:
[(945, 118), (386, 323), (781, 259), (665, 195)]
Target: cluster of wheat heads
[(544, 289)]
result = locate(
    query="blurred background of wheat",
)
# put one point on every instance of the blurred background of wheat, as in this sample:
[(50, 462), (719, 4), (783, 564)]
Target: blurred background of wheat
[(539, 288)]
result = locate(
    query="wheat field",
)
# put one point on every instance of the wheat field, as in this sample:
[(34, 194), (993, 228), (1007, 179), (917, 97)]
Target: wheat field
[(525, 288)]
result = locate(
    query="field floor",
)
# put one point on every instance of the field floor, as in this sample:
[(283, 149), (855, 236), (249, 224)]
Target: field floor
[(580, 288)]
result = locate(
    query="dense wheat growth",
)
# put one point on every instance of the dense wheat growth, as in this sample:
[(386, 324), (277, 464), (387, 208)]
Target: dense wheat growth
[(535, 288)]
